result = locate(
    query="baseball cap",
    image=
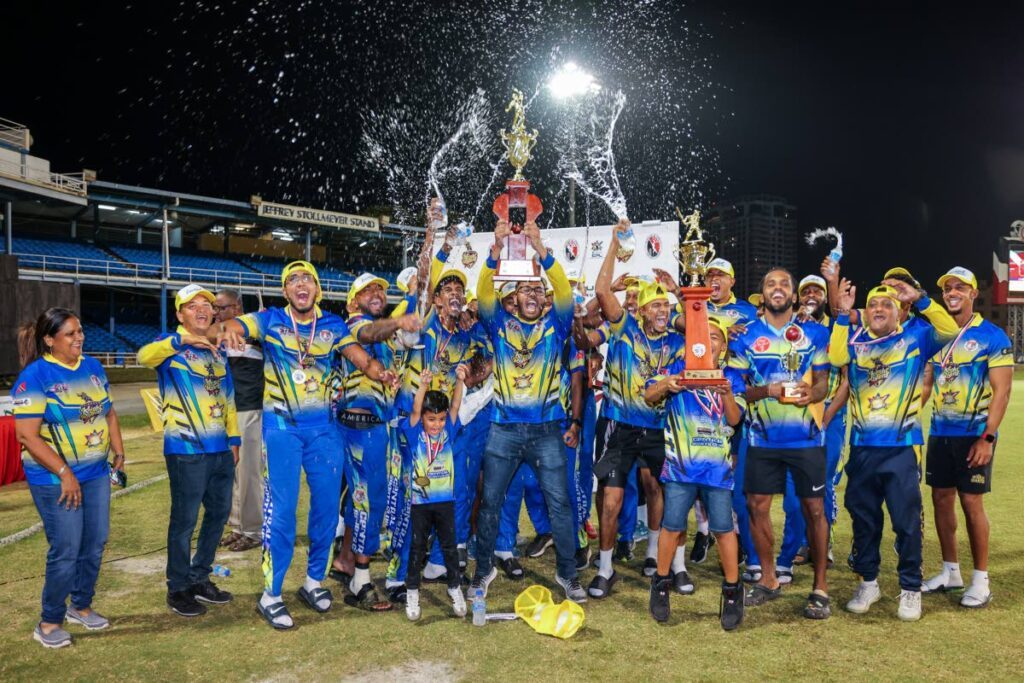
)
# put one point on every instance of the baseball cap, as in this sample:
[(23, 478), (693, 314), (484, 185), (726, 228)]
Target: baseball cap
[(900, 271), (189, 292), (296, 266), (507, 289), (755, 299), (722, 265), (961, 274), (364, 281), (448, 274), (812, 280), (883, 290), (651, 291), (402, 281)]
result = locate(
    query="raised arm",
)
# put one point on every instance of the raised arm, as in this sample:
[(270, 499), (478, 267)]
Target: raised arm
[(838, 343), (487, 298), (461, 373), (610, 306), (417, 402)]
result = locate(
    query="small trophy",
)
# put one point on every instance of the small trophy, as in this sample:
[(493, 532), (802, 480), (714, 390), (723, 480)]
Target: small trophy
[(516, 205), (693, 254), (791, 364)]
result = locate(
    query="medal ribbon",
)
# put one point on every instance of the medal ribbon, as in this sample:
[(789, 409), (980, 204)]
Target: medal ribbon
[(526, 346), (650, 351), (715, 406), (948, 356), (432, 451), (298, 345)]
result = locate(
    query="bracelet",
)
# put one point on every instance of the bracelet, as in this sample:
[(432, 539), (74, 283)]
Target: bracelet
[(118, 455), (842, 311), (62, 469)]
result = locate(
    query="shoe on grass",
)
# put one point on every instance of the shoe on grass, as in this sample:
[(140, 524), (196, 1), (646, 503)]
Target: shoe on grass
[(683, 583), (397, 593), (976, 596), (659, 604), (600, 587), (412, 604), (573, 590), (818, 606), (539, 544), (94, 621), (183, 603), (760, 594), (207, 591), (730, 607), (623, 551), (784, 575), (910, 606), (943, 582), (751, 574), (458, 601), (510, 565), (55, 639), (701, 544), (650, 567), (315, 598), (803, 556), (482, 582), (867, 594), (582, 558)]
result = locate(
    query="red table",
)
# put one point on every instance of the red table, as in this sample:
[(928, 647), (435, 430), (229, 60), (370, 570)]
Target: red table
[(10, 453)]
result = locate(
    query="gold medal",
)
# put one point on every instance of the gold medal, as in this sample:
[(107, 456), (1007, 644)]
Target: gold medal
[(423, 482), (521, 358), (298, 376)]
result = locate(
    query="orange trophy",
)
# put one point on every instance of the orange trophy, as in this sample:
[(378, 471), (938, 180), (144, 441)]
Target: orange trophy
[(694, 253)]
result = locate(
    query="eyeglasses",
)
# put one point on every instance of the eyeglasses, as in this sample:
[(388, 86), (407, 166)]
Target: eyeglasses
[(299, 277), (532, 291), (224, 307)]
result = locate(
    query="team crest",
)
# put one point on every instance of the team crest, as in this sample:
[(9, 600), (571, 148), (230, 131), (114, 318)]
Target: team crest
[(211, 382), (190, 355), (359, 495), (878, 373), (90, 409), (860, 349), (326, 336), (971, 345), (523, 381), (762, 344), (94, 439), (900, 344), (653, 246), (949, 398), (596, 247), (217, 410), (59, 388), (878, 402), (733, 313), (470, 256), (311, 385), (572, 250), (96, 381)]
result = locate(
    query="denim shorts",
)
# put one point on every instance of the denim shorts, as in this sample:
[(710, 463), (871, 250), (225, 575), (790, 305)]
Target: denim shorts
[(679, 498)]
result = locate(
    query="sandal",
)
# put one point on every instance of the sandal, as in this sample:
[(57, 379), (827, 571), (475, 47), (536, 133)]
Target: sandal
[(513, 570), (397, 593), (817, 606), (271, 612), (367, 599), (760, 594), (803, 556), (340, 576), (311, 598), (228, 539), (601, 587)]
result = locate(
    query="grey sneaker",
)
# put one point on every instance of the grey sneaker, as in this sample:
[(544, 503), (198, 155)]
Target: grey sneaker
[(56, 638), (94, 621), (573, 590)]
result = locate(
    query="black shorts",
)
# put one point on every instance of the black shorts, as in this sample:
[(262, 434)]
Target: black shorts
[(628, 444), (766, 471), (946, 465)]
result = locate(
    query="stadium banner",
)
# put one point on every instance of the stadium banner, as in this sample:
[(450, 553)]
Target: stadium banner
[(582, 250), (301, 214)]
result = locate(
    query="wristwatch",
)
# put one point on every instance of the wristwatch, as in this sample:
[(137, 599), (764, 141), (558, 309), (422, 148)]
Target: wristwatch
[(991, 438)]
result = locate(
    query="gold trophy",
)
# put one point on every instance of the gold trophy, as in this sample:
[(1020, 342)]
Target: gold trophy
[(694, 253), (516, 205), (791, 364)]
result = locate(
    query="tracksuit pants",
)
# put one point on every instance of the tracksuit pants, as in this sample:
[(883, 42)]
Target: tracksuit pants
[(366, 458)]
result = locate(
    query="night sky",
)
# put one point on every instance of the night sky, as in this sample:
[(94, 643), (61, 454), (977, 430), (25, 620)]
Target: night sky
[(903, 129)]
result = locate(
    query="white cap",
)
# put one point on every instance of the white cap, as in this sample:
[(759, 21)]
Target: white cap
[(812, 280), (722, 265)]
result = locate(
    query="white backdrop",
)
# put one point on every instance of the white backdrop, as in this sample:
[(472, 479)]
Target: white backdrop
[(581, 250)]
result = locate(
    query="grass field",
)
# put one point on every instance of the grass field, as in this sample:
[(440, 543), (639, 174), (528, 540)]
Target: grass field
[(619, 640)]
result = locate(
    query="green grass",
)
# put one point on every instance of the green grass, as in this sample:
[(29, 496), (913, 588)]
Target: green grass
[(619, 640)]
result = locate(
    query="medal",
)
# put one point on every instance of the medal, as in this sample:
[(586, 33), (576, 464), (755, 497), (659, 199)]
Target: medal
[(298, 376), (646, 369), (524, 349), (304, 360), (950, 370), (423, 482)]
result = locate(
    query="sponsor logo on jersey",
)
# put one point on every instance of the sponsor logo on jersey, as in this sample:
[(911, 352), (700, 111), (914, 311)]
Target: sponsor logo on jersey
[(762, 344), (878, 373), (90, 409), (971, 345), (878, 402)]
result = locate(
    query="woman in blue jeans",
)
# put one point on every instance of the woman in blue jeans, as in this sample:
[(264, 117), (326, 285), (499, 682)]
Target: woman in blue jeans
[(66, 426)]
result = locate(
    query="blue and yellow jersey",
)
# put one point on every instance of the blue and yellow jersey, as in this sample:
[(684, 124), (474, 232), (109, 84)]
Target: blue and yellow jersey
[(961, 392), (527, 355), (573, 361), (633, 359), (359, 391), (432, 458), (758, 354), (73, 402), (733, 311), (297, 395), (697, 435), (197, 396), (885, 381), (443, 351)]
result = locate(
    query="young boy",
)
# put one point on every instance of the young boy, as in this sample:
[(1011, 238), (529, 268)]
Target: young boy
[(698, 425), (430, 432)]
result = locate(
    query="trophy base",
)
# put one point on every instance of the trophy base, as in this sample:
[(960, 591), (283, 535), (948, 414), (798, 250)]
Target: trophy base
[(513, 270), (704, 378), (789, 395)]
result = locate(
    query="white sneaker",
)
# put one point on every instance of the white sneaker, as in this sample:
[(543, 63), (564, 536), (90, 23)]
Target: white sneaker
[(976, 596), (910, 606), (412, 604), (867, 594), (942, 582), (458, 601)]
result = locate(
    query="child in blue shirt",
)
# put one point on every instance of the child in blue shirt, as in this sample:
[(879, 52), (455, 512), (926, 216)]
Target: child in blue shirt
[(430, 432)]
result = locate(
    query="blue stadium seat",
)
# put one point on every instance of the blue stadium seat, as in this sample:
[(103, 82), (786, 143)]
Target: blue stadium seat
[(99, 340)]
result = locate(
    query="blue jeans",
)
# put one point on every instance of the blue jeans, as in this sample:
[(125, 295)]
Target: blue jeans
[(680, 497), (76, 538), (541, 446), (199, 478)]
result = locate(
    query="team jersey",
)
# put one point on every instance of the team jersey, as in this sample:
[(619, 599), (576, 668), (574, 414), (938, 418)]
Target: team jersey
[(197, 396), (573, 361), (697, 435), (73, 402), (961, 391), (442, 353), (359, 391), (527, 354), (297, 395), (432, 458), (733, 311), (885, 380), (758, 354), (633, 359)]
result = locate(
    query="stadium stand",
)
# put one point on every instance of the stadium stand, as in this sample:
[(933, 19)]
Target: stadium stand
[(98, 340), (136, 334)]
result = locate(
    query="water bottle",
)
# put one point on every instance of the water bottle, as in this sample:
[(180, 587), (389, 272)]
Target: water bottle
[(834, 256), (627, 243), (440, 220), (221, 571), (479, 608), (463, 231)]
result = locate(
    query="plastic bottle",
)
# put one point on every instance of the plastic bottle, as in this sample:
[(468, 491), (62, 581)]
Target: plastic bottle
[(627, 243), (479, 608), (221, 570), (835, 256)]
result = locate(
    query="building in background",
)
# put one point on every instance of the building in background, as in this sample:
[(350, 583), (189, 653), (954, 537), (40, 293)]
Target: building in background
[(755, 233)]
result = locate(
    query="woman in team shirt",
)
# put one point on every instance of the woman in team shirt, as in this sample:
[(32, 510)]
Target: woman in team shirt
[(66, 426)]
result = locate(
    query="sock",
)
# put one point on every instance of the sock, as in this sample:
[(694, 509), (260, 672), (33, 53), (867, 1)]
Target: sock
[(679, 560), (312, 584), (979, 578), (360, 577), (702, 525), (266, 600), (604, 567), (652, 543), (951, 567), (461, 546), (433, 571), (503, 554), (393, 583), (873, 583)]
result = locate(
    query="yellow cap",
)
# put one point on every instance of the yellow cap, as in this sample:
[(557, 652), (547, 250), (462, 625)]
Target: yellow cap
[(755, 299), (189, 292), (470, 296), (651, 291), (883, 290), (721, 325), (901, 271), (364, 281), (722, 265), (961, 274), (536, 607), (451, 272), (402, 281), (296, 266)]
